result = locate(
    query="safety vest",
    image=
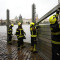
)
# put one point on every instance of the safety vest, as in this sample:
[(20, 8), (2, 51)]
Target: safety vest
[(19, 33), (33, 32), (55, 33), (10, 30)]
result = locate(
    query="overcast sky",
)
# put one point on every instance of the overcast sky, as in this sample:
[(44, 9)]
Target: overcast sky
[(24, 7)]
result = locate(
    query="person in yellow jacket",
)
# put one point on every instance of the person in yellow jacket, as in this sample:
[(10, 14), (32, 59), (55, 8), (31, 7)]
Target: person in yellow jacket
[(55, 36), (33, 37), (20, 35), (10, 34)]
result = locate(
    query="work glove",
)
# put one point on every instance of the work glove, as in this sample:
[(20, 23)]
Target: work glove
[(57, 12)]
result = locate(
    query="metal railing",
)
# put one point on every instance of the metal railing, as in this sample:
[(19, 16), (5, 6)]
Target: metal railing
[(48, 13)]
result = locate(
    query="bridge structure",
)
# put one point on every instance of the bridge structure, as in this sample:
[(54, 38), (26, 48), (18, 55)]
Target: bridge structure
[(10, 52)]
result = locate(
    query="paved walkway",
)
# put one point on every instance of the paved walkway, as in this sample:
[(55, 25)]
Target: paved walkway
[(10, 52)]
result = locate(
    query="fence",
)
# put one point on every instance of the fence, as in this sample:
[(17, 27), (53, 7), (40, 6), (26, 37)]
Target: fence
[(44, 42)]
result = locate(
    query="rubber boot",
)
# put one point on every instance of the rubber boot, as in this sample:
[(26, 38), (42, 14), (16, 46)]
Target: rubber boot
[(9, 43), (31, 49), (34, 49), (22, 46), (18, 48)]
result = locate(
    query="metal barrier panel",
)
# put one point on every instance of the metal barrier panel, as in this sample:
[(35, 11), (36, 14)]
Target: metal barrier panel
[(44, 42)]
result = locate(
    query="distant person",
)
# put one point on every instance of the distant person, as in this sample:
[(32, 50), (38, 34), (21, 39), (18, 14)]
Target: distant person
[(33, 37), (20, 35), (55, 36), (10, 34)]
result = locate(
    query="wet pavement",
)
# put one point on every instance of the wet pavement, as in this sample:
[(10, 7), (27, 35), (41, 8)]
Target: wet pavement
[(10, 52)]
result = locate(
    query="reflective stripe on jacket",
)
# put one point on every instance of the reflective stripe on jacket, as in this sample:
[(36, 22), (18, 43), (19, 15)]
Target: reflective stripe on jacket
[(10, 30), (55, 33), (33, 32), (55, 42), (19, 33)]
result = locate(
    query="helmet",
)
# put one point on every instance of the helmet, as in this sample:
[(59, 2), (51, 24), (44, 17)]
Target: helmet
[(12, 25), (19, 24), (32, 24), (52, 19)]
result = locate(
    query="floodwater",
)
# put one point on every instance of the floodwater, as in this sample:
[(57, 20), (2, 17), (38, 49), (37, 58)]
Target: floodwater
[(3, 33)]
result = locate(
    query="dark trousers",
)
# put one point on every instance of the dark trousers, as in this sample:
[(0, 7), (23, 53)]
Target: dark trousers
[(9, 38), (20, 42), (55, 52), (33, 41)]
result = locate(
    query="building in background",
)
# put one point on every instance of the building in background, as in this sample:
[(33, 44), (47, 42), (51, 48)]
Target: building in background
[(20, 19), (3, 22), (27, 21), (15, 21)]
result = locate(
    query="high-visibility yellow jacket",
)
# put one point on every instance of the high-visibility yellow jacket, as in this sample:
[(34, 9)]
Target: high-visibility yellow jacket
[(10, 30), (33, 31), (55, 33), (20, 33)]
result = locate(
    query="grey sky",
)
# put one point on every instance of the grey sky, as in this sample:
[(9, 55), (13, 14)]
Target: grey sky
[(24, 7)]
